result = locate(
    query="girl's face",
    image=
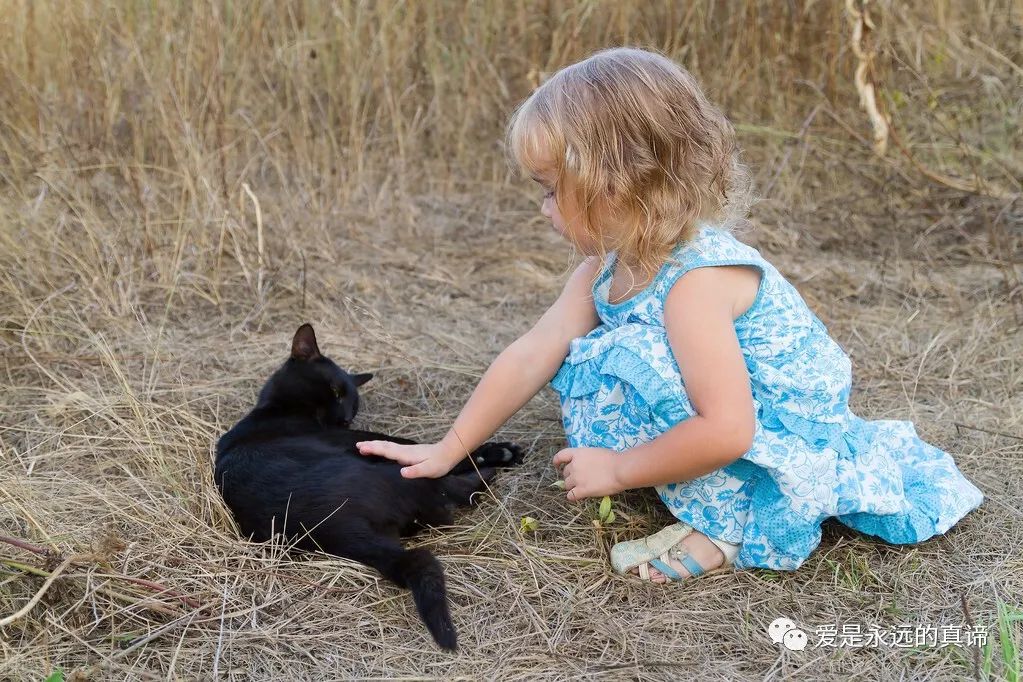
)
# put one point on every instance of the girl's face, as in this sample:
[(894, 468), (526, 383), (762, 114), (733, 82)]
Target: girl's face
[(565, 215)]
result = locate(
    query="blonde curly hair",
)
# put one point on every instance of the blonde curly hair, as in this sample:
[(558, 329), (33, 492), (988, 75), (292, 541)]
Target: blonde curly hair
[(643, 148)]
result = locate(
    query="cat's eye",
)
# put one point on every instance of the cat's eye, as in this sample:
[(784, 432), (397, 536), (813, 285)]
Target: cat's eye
[(338, 392)]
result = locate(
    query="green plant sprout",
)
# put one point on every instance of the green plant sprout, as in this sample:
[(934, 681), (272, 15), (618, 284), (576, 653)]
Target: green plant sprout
[(605, 515), (528, 525)]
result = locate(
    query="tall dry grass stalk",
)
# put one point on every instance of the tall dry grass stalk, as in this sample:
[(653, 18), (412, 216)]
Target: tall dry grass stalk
[(314, 94), (166, 109)]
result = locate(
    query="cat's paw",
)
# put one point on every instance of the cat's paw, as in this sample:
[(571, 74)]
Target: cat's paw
[(498, 455)]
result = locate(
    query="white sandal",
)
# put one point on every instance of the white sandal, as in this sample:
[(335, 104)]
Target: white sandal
[(657, 549)]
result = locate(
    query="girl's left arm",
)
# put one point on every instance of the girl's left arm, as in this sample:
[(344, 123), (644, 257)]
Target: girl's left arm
[(699, 314)]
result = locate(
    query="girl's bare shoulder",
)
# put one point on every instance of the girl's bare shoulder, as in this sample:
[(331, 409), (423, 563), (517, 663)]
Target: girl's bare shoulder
[(729, 285)]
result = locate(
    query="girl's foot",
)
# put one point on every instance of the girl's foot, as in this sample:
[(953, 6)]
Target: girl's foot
[(674, 553), (700, 548)]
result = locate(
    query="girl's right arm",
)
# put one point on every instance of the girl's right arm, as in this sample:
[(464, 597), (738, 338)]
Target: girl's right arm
[(515, 376)]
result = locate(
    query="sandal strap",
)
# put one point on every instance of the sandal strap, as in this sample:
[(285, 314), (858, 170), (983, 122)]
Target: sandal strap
[(681, 554), (684, 558), (689, 562), (669, 572)]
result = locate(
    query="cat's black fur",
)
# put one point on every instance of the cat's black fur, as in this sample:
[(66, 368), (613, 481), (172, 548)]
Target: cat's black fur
[(291, 465)]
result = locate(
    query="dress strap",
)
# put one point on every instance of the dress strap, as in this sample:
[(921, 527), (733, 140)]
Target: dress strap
[(710, 248)]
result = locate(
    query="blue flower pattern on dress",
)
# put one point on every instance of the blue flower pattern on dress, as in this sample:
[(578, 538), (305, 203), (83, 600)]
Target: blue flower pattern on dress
[(811, 457)]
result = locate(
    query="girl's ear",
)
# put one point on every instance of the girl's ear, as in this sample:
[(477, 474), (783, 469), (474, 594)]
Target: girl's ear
[(360, 379)]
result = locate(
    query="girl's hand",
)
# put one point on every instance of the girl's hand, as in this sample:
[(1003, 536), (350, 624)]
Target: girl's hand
[(589, 472), (425, 460)]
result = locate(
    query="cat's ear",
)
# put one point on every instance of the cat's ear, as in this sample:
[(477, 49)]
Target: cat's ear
[(303, 346), (360, 379)]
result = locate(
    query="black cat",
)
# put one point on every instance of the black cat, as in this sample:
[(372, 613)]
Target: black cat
[(290, 465)]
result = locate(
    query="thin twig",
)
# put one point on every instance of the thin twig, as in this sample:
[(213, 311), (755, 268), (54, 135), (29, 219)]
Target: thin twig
[(861, 23), (160, 589), (27, 546), (969, 621), (801, 137), (38, 595), (261, 263), (133, 599), (303, 281), (220, 635), (977, 428), (946, 180)]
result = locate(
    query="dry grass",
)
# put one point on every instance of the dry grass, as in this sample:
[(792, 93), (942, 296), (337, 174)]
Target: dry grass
[(142, 303)]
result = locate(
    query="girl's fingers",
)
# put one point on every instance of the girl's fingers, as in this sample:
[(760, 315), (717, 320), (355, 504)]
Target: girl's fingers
[(373, 447), (411, 472), (563, 457), (383, 448), (421, 470)]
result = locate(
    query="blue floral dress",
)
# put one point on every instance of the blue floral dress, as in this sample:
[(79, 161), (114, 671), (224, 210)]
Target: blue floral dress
[(811, 457)]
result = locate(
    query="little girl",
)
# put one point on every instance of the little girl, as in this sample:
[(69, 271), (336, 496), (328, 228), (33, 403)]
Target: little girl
[(683, 359)]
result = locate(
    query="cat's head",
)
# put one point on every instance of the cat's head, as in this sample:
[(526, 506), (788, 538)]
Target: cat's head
[(312, 384)]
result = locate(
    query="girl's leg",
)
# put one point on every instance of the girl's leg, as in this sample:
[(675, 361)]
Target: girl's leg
[(580, 415), (708, 509)]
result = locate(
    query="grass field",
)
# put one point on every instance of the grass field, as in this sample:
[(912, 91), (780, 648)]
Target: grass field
[(182, 185)]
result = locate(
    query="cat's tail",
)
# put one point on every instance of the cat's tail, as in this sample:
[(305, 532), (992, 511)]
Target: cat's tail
[(415, 569), (423, 575)]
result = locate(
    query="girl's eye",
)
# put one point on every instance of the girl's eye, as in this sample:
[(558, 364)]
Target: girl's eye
[(548, 194)]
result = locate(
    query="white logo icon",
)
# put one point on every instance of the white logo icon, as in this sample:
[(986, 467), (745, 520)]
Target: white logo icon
[(784, 631), (795, 640), (778, 628)]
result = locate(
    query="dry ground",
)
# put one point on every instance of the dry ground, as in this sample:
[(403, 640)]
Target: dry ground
[(142, 303)]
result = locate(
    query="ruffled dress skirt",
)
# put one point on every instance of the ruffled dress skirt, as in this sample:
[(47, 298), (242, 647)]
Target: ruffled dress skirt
[(811, 457)]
